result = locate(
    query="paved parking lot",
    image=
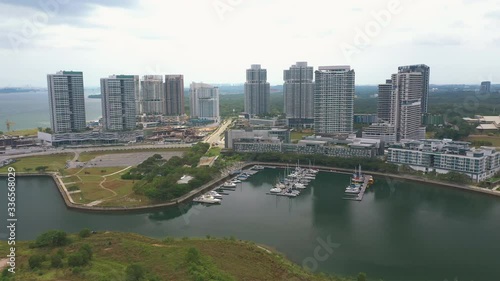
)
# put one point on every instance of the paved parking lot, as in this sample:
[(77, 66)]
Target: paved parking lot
[(127, 159)]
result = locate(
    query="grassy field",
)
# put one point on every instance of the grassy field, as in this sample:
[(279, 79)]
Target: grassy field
[(495, 140), (55, 162), (87, 156), (214, 151), (299, 135), (94, 183), (114, 191), (27, 132), (163, 260)]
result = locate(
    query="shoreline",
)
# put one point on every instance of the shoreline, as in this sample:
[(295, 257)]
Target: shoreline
[(70, 204)]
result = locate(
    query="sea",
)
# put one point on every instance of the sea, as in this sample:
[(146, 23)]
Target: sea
[(28, 110)]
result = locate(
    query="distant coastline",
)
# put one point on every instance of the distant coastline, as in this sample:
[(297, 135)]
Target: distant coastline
[(94, 96), (17, 90)]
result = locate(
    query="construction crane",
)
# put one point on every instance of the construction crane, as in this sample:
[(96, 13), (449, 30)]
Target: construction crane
[(9, 124)]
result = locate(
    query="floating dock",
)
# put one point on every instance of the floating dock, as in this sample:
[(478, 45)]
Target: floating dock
[(360, 195)]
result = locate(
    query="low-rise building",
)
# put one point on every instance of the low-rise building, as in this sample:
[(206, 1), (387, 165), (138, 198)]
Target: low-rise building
[(256, 136), (278, 140), (447, 155), (489, 123), (90, 138), (383, 131)]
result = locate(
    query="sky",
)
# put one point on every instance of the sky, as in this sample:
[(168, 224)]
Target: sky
[(215, 41)]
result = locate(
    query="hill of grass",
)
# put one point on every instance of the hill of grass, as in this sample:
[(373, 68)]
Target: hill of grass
[(123, 256)]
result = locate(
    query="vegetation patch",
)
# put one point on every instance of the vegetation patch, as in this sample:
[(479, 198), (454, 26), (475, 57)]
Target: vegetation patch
[(157, 178), (50, 163), (123, 256), (87, 156)]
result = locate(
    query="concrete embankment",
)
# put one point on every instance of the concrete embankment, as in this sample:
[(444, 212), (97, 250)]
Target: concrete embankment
[(212, 184)]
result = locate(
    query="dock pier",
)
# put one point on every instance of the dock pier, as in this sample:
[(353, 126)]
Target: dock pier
[(360, 195)]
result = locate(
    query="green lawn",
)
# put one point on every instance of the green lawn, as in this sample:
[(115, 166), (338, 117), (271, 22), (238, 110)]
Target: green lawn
[(300, 135), (26, 132), (214, 151), (495, 140), (87, 156), (54, 162), (92, 191)]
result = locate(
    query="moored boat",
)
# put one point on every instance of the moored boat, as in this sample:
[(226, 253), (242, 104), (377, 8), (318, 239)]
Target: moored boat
[(229, 184), (207, 199)]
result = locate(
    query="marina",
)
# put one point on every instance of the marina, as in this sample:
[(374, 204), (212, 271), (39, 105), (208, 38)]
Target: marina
[(293, 182), (290, 184), (389, 216), (215, 196), (359, 183)]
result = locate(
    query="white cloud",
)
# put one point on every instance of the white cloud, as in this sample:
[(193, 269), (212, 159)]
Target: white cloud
[(189, 37)]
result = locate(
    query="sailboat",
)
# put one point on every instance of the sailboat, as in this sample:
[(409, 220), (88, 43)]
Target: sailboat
[(357, 177)]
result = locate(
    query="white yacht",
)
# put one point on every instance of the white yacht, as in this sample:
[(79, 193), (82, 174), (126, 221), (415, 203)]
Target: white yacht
[(280, 185), (299, 185), (353, 189), (207, 199), (276, 190), (214, 194), (229, 184)]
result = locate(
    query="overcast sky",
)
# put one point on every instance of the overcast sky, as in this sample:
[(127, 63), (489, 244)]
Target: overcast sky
[(214, 41)]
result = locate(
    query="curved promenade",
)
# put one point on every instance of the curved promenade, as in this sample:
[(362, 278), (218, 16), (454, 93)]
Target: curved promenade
[(210, 185)]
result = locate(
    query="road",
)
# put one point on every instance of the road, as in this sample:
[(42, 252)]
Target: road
[(217, 136), (26, 153)]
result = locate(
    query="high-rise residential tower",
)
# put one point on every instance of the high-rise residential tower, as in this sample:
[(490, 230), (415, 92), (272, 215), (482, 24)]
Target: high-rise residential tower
[(174, 95), (204, 101), (399, 109), (384, 106), (334, 100), (152, 95), (485, 87), (298, 94), (118, 102), (406, 112), (426, 72), (257, 91), (66, 101)]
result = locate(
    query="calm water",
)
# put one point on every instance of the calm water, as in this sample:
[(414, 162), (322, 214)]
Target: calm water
[(31, 109), (408, 232)]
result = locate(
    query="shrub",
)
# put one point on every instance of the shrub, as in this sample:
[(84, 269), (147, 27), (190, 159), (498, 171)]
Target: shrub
[(52, 238), (36, 261), (61, 253), (76, 259), (56, 261), (84, 233), (193, 256), (77, 270), (86, 252), (134, 272), (168, 239)]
